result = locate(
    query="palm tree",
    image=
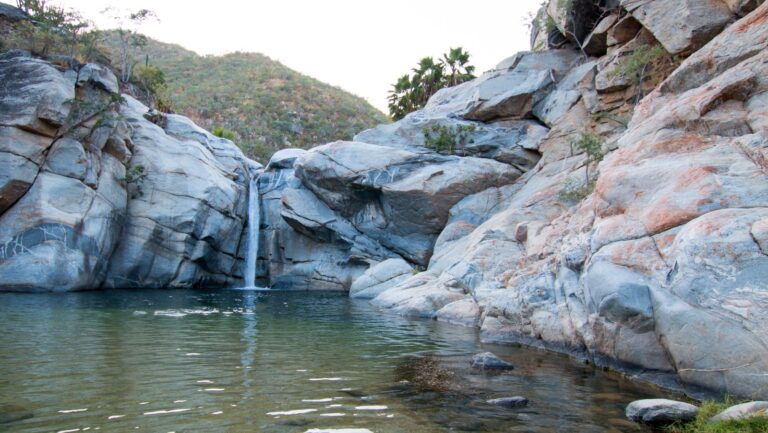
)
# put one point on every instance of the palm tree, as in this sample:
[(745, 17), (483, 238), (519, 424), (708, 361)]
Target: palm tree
[(412, 92), (457, 61)]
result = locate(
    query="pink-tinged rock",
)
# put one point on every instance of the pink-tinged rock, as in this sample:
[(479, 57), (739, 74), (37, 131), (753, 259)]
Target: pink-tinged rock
[(681, 26)]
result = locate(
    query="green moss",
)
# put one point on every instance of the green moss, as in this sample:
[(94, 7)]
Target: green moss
[(756, 424)]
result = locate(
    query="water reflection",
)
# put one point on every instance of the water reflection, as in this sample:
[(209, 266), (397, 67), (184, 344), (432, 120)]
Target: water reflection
[(274, 362)]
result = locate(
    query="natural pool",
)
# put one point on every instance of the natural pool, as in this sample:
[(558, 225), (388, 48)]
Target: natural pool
[(238, 361)]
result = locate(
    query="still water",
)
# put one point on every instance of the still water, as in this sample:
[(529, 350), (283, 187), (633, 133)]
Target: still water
[(237, 361)]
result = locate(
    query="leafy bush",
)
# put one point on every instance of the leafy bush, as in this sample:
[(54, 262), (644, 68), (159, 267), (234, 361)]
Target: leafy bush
[(134, 179), (54, 30), (151, 81), (412, 92), (574, 191), (592, 145), (448, 138)]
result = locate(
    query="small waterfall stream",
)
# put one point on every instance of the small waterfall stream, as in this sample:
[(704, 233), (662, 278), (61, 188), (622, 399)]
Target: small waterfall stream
[(252, 245)]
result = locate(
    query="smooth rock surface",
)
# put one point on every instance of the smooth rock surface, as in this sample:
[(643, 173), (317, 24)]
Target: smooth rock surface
[(380, 277), (660, 411), (741, 411)]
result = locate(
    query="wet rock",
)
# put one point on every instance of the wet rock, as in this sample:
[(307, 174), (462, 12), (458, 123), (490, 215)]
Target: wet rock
[(741, 411), (488, 360), (660, 411), (380, 277), (516, 401)]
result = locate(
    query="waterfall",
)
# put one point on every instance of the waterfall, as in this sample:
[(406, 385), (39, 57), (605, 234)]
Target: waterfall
[(252, 245)]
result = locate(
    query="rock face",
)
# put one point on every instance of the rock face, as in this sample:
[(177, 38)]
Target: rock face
[(659, 270), (94, 195)]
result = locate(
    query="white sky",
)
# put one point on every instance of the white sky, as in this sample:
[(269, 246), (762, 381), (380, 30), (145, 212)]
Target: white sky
[(361, 46)]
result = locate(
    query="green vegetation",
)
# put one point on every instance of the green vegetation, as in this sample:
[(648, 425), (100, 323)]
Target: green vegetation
[(756, 424), (265, 104), (592, 145), (448, 138), (150, 80), (55, 30), (635, 66), (411, 92), (574, 190), (134, 179), (223, 133)]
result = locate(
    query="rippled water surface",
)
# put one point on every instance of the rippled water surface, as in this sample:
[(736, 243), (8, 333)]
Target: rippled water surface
[(236, 361)]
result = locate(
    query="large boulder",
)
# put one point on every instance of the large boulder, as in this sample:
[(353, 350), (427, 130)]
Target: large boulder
[(681, 26), (187, 215), (304, 244), (398, 197), (93, 194), (35, 96), (661, 411), (380, 277)]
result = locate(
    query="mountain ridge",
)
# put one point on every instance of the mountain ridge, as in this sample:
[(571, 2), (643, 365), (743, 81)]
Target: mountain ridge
[(266, 104)]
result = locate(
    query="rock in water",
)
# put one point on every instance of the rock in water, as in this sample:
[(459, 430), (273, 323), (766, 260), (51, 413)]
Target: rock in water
[(741, 411), (660, 411), (516, 401), (13, 412), (488, 360)]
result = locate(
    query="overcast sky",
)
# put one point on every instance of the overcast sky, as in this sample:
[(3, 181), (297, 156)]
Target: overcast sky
[(361, 46)]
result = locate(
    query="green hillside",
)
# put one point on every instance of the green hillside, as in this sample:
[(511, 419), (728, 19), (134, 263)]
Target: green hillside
[(267, 105)]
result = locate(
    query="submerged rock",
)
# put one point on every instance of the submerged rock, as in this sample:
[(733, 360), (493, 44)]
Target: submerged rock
[(660, 411), (12, 412), (488, 360)]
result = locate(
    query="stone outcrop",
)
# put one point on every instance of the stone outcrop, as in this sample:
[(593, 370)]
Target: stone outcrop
[(92, 194), (660, 269)]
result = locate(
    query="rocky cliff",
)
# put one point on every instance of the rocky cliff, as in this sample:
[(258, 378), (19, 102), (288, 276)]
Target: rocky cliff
[(97, 191), (608, 198)]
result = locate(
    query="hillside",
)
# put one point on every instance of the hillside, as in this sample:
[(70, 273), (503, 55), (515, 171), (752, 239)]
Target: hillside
[(267, 105)]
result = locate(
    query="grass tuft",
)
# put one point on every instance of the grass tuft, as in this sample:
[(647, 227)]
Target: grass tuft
[(755, 424)]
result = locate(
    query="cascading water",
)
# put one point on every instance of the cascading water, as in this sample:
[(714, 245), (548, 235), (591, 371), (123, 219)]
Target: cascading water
[(252, 245)]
